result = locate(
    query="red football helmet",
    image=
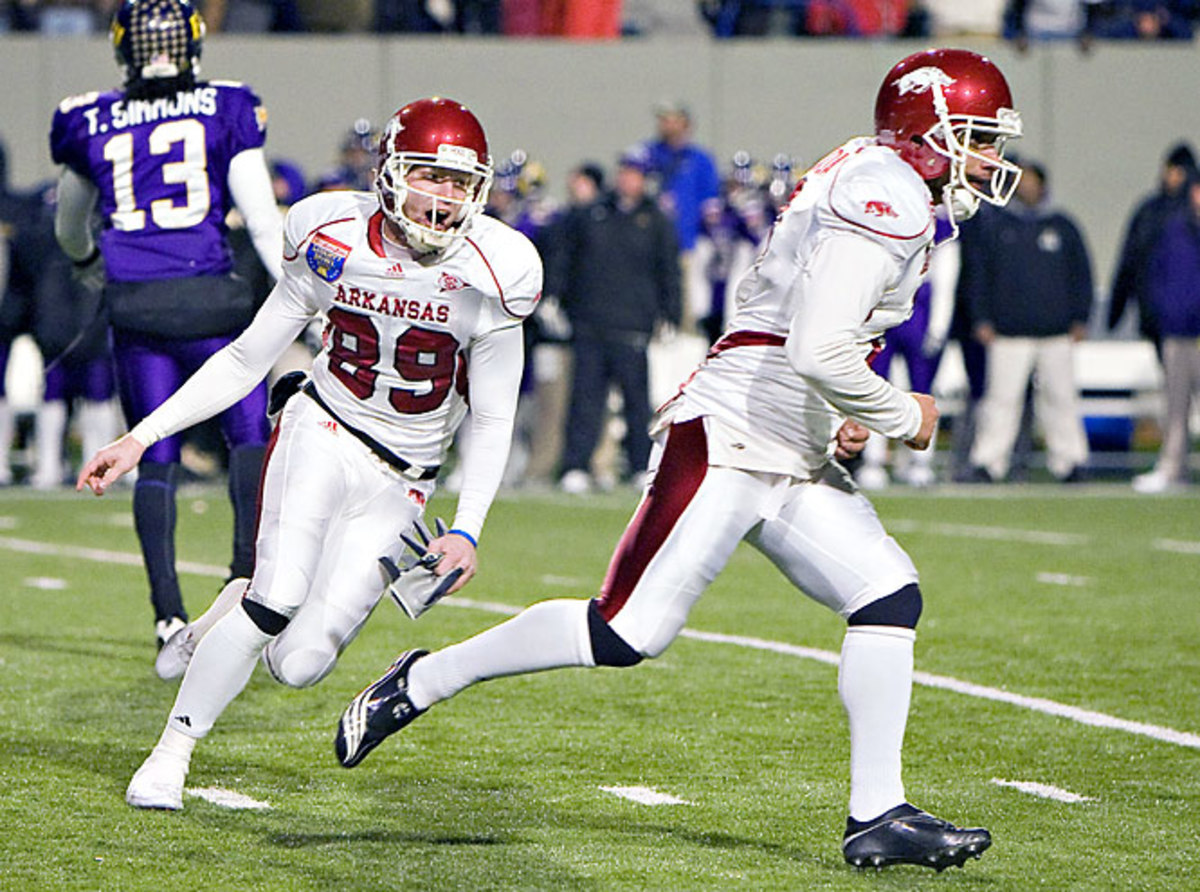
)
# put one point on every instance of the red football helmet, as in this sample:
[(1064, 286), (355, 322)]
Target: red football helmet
[(937, 108), (437, 133)]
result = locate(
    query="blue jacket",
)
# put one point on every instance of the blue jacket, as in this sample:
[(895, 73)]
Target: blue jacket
[(1174, 286)]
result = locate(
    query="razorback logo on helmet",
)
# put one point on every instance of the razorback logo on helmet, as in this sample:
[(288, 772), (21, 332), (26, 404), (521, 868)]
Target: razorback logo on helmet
[(923, 80), (877, 208)]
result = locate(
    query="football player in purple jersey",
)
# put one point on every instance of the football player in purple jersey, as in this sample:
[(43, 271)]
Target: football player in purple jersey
[(748, 451), (158, 165)]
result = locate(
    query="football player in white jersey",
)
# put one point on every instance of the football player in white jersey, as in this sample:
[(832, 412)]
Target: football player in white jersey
[(748, 447), (423, 298)]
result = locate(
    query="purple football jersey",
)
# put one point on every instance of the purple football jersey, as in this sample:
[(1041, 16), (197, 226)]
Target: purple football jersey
[(162, 168)]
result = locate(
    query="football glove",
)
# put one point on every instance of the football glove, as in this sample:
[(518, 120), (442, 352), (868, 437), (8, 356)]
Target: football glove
[(413, 584)]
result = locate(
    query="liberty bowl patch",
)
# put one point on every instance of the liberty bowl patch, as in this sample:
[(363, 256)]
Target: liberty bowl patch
[(327, 257)]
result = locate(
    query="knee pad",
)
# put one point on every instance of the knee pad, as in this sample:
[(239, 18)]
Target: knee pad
[(902, 608), (300, 668), (608, 648), (267, 620)]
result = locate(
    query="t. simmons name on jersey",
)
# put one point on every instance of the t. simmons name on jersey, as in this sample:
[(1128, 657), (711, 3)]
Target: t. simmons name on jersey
[(129, 113), (387, 305)]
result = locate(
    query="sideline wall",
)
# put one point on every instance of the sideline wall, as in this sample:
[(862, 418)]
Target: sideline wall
[(1100, 122)]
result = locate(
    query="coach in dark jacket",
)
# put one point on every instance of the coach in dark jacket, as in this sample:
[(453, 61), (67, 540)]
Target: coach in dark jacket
[(1030, 293), (618, 278)]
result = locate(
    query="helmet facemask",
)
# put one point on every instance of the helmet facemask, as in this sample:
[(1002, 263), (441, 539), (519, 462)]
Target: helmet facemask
[(960, 138), (454, 213)]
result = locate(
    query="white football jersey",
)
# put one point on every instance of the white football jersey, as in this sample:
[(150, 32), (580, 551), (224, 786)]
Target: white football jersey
[(402, 331), (839, 267)]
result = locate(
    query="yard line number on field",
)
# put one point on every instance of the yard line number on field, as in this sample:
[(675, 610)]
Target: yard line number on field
[(1037, 704)]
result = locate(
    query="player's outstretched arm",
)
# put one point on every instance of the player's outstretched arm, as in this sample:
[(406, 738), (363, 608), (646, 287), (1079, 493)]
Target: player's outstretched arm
[(108, 465)]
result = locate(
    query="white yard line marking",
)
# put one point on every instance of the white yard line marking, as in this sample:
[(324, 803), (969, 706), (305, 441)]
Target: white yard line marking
[(45, 583), (1062, 579), (1176, 546), (563, 581), (646, 796), (227, 798), (999, 534), (103, 556), (1037, 704), (1045, 791)]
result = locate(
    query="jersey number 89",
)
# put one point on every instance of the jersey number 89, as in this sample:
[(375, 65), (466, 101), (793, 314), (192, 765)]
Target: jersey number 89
[(425, 359)]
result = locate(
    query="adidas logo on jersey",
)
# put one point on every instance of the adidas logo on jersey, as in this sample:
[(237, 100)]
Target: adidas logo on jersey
[(395, 271)]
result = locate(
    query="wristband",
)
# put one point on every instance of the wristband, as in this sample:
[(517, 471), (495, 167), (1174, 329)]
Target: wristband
[(465, 535)]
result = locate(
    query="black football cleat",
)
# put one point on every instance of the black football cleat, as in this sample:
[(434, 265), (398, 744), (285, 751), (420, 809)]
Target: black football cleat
[(907, 835), (381, 709)]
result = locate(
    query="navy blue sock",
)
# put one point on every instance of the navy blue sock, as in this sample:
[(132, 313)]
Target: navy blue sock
[(154, 519), (245, 472)]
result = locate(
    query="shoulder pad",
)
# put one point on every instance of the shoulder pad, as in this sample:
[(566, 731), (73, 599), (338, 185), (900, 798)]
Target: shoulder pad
[(72, 102), (878, 192), (513, 266)]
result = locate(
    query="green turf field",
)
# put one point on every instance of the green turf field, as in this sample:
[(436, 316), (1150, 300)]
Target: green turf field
[(1060, 648)]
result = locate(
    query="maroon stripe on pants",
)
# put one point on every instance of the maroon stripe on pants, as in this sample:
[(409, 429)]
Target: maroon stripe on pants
[(680, 473)]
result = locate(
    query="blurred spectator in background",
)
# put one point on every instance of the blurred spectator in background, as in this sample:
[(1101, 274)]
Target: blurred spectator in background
[(288, 183), (1141, 235), (552, 331), (1144, 19), (816, 18), (404, 16), (1173, 289), (8, 322), (617, 274), (581, 19), (1030, 301), (686, 177), (919, 341), (730, 230), (72, 338), (954, 17), (60, 18), (252, 16), (344, 16), (1027, 21), (355, 164)]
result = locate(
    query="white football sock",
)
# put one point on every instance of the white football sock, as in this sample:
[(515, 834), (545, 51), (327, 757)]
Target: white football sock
[(175, 744), (875, 684), (220, 668), (51, 427), (547, 635), (98, 425), (7, 429)]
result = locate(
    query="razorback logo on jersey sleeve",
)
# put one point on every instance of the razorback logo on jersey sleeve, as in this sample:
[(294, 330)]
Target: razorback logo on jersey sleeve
[(876, 191)]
